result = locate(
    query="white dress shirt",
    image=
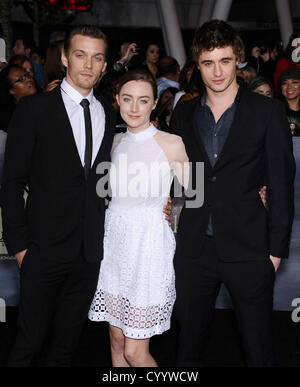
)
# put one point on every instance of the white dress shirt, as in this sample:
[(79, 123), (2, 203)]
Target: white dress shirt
[(72, 99)]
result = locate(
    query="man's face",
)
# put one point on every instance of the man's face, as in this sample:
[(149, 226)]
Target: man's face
[(18, 48), (85, 62), (218, 68)]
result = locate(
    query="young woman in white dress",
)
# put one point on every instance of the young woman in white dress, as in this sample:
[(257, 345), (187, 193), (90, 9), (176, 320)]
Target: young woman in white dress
[(136, 287)]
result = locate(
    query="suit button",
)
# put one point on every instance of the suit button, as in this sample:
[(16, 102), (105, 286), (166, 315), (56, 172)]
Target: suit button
[(214, 178)]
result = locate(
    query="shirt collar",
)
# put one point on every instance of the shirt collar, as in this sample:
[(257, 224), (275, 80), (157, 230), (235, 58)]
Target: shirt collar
[(237, 97), (74, 94)]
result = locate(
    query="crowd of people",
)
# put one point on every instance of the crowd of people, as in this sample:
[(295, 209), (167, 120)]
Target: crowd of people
[(222, 110), (259, 69)]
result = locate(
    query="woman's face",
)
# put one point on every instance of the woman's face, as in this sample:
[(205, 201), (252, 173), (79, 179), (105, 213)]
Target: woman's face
[(290, 89), (27, 66), (136, 102), (167, 96), (152, 54), (264, 89), (22, 84)]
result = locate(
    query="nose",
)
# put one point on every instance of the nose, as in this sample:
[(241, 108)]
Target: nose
[(88, 62), (217, 70), (134, 106)]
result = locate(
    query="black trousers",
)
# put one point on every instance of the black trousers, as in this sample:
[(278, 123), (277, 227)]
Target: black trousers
[(54, 302), (250, 285)]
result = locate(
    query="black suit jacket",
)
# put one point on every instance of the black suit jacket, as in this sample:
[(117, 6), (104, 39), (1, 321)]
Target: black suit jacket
[(62, 211), (258, 151)]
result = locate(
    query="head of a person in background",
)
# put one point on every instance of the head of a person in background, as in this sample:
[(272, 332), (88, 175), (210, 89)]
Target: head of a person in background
[(216, 49), (152, 53), (84, 56), (54, 68), (261, 86), (186, 73), (23, 61), (137, 97), (166, 100), (168, 67), (37, 56), (16, 83), (247, 73), (289, 82), (22, 46)]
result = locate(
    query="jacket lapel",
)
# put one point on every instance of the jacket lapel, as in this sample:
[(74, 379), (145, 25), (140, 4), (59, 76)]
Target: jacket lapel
[(66, 132), (198, 138), (108, 134)]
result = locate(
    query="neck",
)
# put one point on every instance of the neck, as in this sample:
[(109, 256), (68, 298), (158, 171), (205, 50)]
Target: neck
[(139, 129), (83, 92), (294, 103), (223, 98)]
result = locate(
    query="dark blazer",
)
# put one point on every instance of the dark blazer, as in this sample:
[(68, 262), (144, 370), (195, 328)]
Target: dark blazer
[(258, 151), (62, 211)]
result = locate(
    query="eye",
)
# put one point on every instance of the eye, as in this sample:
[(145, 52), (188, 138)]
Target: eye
[(144, 101), (225, 61), (79, 55), (98, 58), (126, 99)]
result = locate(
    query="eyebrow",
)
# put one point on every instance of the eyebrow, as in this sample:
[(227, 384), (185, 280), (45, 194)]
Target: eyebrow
[(84, 52), (225, 58), (129, 95)]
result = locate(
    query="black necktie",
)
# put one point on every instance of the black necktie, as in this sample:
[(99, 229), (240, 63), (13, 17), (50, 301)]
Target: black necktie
[(88, 137)]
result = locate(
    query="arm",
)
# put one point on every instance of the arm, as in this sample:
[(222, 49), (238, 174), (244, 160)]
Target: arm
[(280, 166), (17, 165)]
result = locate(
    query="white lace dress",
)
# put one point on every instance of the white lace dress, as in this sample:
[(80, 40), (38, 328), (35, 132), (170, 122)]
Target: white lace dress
[(136, 286)]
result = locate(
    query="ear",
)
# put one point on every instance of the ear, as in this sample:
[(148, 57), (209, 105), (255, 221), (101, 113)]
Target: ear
[(64, 58), (12, 91), (118, 99), (104, 67)]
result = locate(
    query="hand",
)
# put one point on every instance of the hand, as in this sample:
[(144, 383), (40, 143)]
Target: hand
[(276, 262), (50, 86), (20, 256), (130, 52), (263, 195), (168, 210)]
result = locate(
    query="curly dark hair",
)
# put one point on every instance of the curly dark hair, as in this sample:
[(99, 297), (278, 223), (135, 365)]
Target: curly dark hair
[(216, 34)]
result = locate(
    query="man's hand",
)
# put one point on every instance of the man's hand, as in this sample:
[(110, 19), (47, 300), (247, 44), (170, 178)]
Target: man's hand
[(168, 210), (276, 261), (19, 256), (263, 195)]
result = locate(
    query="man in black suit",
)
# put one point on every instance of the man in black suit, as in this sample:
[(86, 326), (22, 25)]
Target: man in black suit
[(244, 141), (55, 142)]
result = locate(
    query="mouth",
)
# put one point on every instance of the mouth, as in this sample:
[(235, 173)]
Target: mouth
[(85, 75), (133, 117), (218, 81)]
